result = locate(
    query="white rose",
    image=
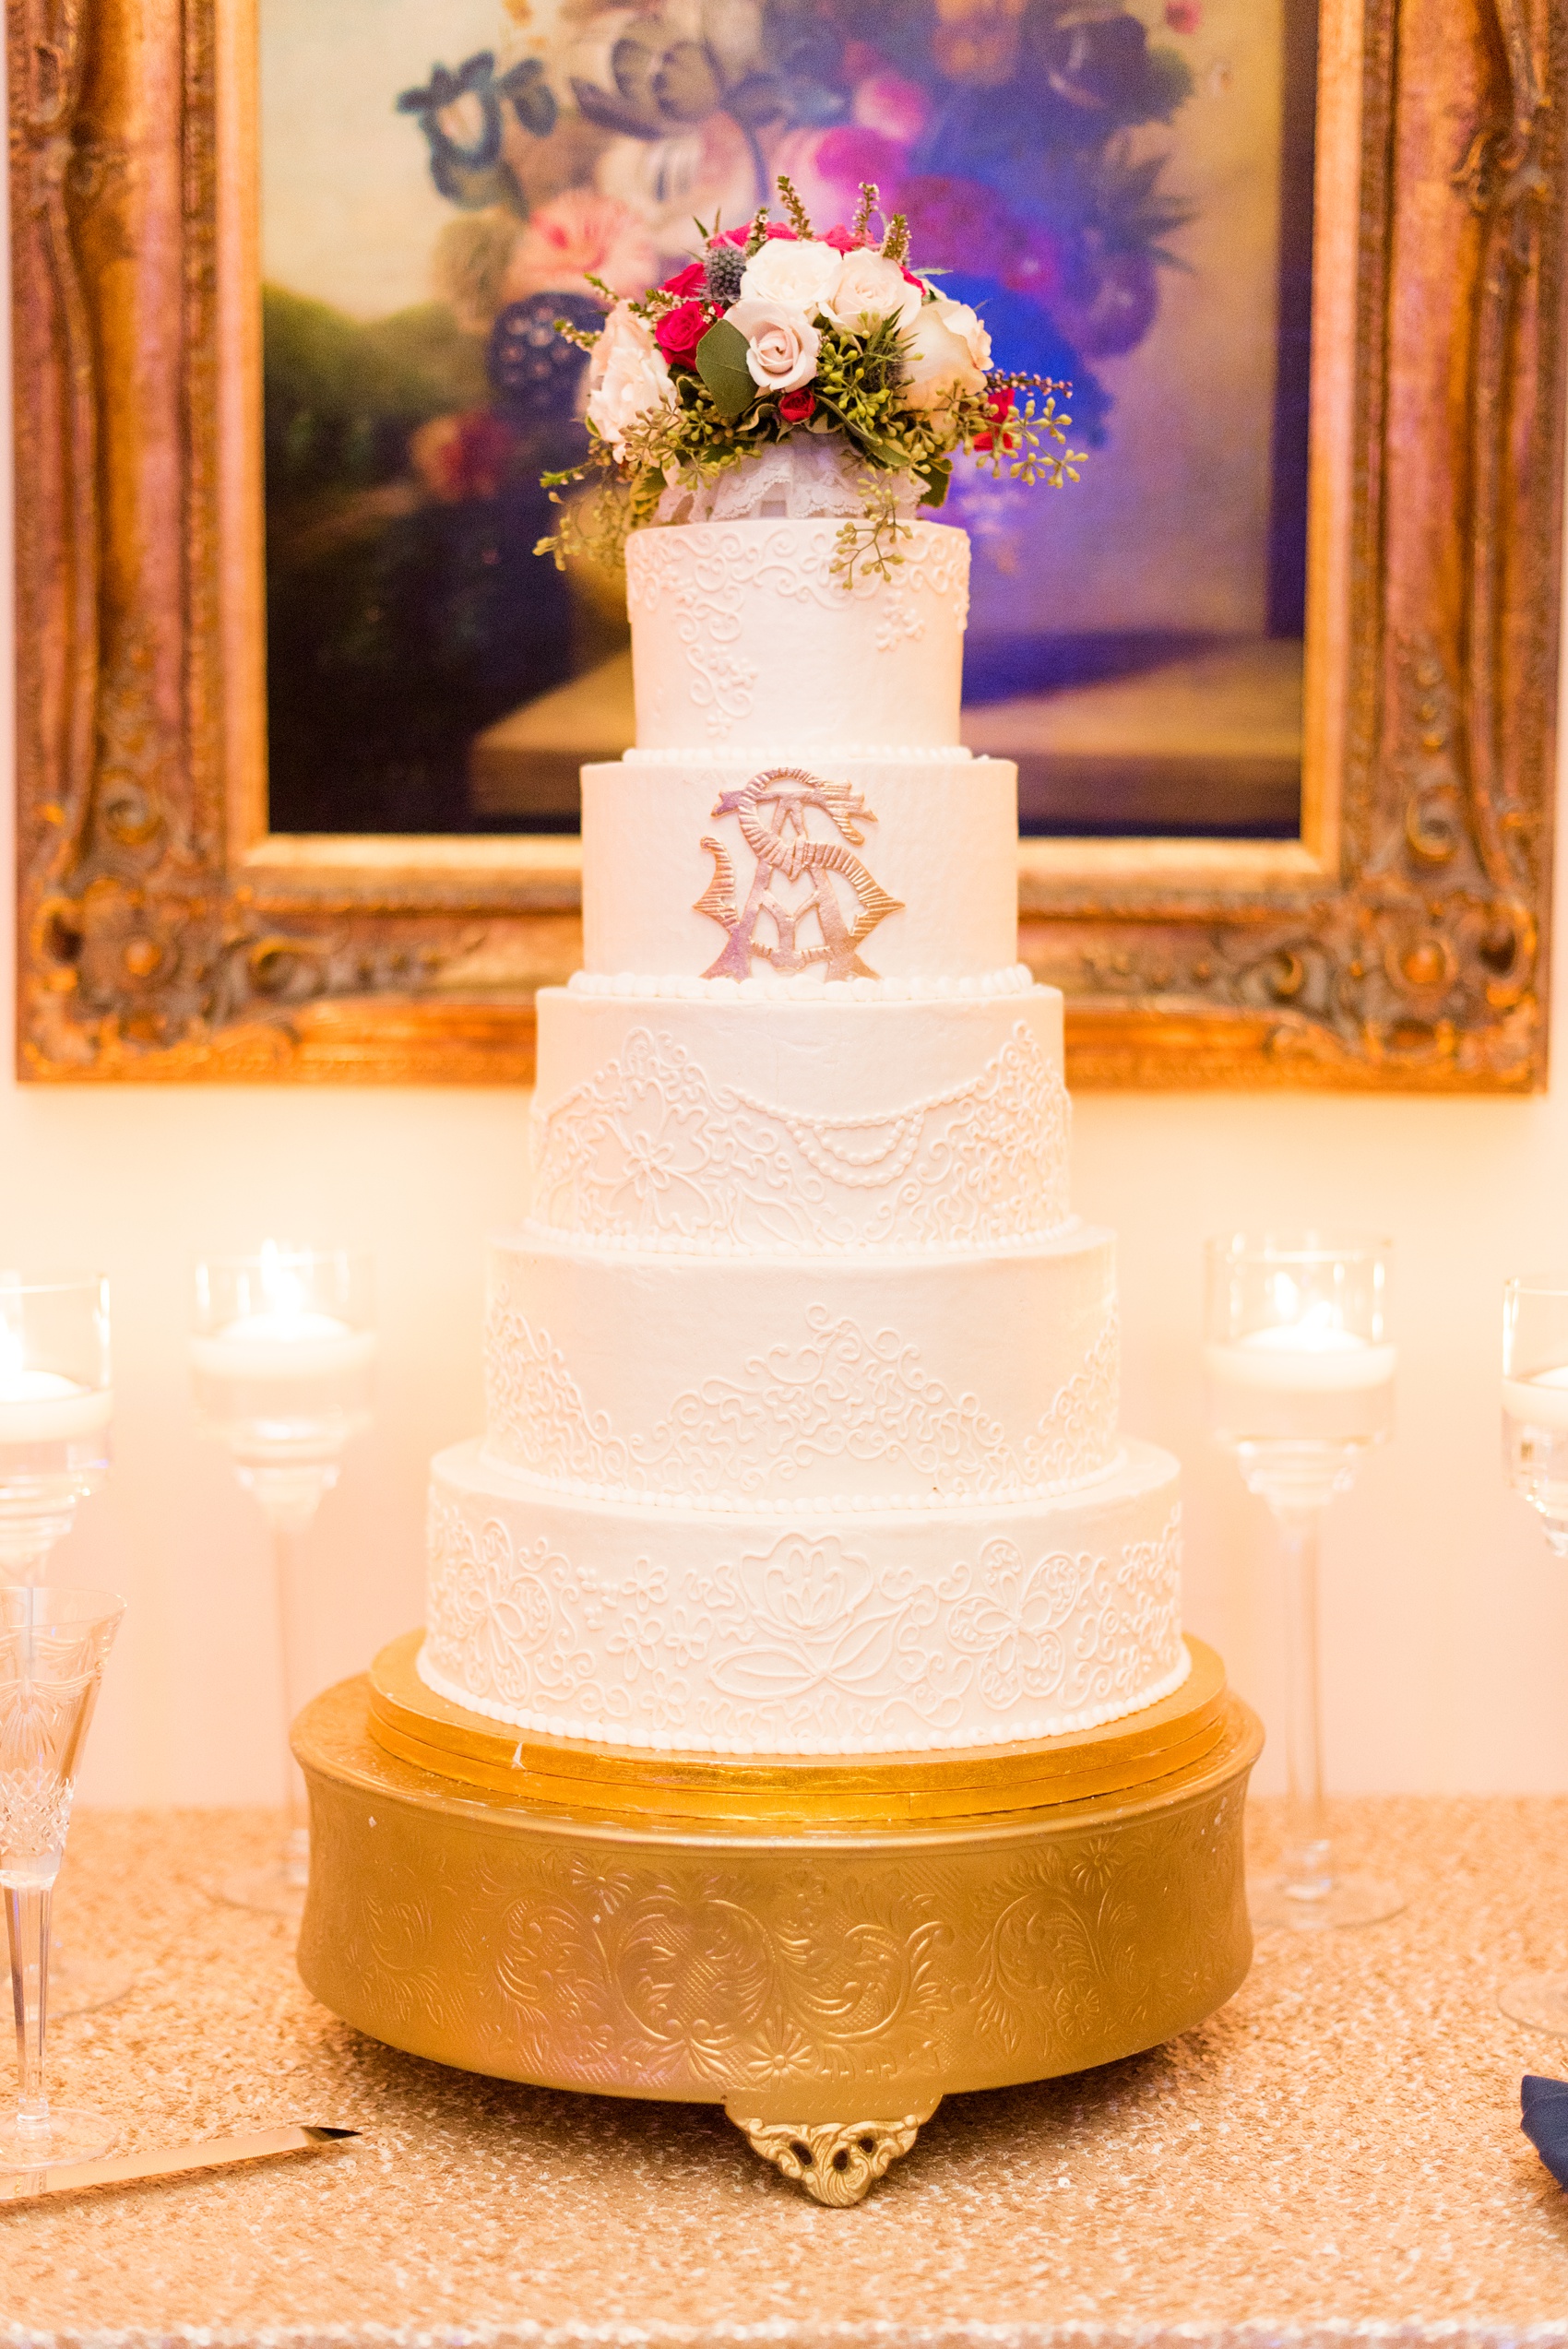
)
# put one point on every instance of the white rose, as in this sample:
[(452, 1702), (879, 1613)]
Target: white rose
[(967, 325), (627, 378), (869, 287), (781, 343), (797, 270), (943, 359)]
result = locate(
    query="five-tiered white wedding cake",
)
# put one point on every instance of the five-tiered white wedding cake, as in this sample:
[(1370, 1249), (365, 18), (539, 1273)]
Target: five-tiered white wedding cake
[(802, 1375)]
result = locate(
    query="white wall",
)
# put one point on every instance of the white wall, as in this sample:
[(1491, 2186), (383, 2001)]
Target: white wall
[(1446, 1626)]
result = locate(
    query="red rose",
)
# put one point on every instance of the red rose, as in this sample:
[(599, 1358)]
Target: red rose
[(842, 241), (1000, 403), (1184, 16), (692, 279), (678, 332), (796, 406)]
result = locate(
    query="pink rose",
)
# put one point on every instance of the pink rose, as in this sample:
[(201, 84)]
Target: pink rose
[(743, 237), (678, 332), (687, 282), (1184, 16), (842, 242)]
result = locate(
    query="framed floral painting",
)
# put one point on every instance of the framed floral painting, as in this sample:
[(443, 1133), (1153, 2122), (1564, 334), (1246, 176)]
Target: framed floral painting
[(1120, 189), (301, 709)]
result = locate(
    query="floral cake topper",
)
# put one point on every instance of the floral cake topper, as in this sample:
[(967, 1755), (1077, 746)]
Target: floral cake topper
[(772, 332)]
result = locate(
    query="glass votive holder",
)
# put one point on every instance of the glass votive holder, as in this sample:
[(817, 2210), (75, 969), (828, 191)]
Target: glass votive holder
[(56, 1402), (1300, 1362), (1297, 1346), (282, 1359), (1534, 1398)]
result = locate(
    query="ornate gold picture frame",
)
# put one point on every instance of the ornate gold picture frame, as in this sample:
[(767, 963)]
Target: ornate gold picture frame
[(1400, 941)]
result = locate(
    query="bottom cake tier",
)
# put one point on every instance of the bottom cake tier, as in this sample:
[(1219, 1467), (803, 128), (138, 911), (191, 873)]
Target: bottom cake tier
[(884, 1631)]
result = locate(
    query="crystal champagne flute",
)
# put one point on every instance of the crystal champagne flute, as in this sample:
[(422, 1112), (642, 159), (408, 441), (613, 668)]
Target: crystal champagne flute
[(56, 1402), (53, 1645), (282, 1353), (1535, 1462), (1300, 1369)]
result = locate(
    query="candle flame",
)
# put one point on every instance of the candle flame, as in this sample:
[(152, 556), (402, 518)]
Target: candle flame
[(282, 1286)]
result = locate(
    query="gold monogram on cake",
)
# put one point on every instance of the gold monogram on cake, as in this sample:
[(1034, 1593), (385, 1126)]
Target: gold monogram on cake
[(801, 882)]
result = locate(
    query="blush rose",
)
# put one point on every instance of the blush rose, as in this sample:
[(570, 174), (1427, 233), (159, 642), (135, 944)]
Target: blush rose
[(782, 344)]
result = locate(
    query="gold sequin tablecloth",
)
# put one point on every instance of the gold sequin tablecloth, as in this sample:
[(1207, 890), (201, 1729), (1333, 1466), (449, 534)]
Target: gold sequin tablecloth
[(1335, 2156)]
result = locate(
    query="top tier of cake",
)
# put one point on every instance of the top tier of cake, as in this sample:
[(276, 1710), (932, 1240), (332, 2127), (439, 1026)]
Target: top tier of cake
[(745, 636)]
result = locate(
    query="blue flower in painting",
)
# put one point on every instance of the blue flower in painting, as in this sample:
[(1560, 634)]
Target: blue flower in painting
[(461, 115), (533, 370)]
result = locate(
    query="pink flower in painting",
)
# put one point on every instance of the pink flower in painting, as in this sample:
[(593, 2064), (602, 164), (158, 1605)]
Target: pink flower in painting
[(461, 456), (1035, 266), (576, 233), (960, 224), (828, 166), (886, 102), (1184, 16)]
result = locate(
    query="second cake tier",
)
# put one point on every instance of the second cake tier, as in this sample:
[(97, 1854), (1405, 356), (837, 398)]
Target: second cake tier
[(779, 1381)]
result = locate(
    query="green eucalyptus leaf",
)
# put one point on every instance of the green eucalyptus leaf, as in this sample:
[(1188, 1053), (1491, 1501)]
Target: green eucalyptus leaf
[(722, 364), (936, 476)]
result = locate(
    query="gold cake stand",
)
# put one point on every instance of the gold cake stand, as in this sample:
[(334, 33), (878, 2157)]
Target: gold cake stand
[(824, 1948)]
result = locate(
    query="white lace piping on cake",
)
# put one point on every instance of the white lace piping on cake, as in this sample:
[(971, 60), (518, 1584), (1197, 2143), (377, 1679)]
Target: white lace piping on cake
[(795, 753), (651, 1150), (709, 574), (730, 1443), (676, 987), (807, 1646)]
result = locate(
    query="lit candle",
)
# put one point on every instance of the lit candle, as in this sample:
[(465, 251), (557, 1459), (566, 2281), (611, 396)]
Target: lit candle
[(1540, 1400), (286, 1339), (44, 1406), (1315, 1355)]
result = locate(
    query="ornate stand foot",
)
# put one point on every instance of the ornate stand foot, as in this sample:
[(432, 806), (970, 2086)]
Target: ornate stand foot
[(838, 2163)]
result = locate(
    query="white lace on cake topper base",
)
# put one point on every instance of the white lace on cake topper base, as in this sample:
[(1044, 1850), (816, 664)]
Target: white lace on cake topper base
[(651, 1151), (839, 1395), (808, 1646)]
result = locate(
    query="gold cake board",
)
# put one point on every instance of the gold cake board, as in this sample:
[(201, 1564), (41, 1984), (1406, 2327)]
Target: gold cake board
[(825, 1949)]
